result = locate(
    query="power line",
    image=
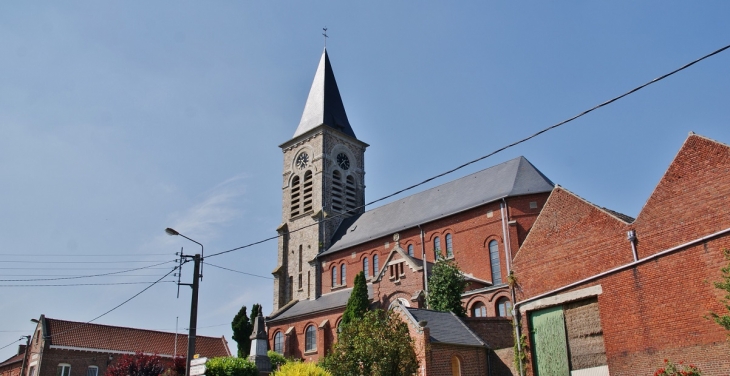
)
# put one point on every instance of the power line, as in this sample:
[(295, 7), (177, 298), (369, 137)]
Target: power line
[(237, 271), (614, 99), (11, 343), (87, 284), (117, 306), (71, 262), (83, 276), (80, 255)]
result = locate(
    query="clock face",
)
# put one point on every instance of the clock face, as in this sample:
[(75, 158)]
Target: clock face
[(343, 161), (302, 161)]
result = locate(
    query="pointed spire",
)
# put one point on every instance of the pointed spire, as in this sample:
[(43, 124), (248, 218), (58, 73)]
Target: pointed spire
[(324, 104)]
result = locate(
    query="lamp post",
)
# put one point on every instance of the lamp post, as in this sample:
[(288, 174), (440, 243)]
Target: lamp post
[(197, 276)]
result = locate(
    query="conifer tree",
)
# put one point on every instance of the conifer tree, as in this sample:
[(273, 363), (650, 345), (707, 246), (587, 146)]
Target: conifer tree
[(255, 309), (358, 303), (445, 287), (242, 329)]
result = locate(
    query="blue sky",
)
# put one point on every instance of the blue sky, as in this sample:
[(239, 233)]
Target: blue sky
[(119, 119)]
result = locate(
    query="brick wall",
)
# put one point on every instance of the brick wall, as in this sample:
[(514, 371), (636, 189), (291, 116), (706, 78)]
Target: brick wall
[(473, 360), (294, 343), (655, 309)]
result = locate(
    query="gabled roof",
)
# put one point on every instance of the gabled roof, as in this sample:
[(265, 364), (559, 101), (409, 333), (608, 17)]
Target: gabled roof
[(324, 104), (326, 302), (445, 327), (18, 358), (128, 340), (515, 177)]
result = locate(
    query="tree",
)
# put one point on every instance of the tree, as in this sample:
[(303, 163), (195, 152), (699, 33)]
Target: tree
[(724, 320), (377, 344), (255, 309), (242, 329), (358, 303), (445, 287), (138, 364)]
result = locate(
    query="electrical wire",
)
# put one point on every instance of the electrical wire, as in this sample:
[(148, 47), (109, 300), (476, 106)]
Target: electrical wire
[(556, 125), (237, 271), (84, 276), (86, 284), (11, 343), (71, 262), (80, 255), (117, 306)]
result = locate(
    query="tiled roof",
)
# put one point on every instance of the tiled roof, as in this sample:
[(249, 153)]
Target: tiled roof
[(515, 177), (445, 327), (325, 302), (13, 359), (117, 338)]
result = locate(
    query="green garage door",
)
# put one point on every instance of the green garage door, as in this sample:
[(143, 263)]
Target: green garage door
[(549, 344)]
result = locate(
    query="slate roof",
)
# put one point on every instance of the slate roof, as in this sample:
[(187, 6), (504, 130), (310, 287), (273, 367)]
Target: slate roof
[(324, 104), (445, 327), (117, 338), (325, 302), (512, 178)]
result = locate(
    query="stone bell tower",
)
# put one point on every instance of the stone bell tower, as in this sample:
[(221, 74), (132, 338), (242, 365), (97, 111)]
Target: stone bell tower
[(323, 183)]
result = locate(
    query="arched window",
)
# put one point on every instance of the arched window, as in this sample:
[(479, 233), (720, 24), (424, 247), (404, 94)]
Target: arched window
[(410, 250), (375, 265), (310, 339), (494, 263), (343, 277), (64, 369), (504, 307), (478, 310), (350, 193), (92, 371), (436, 248), (449, 247), (455, 366), (334, 276), (307, 192), (366, 267), (279, 343), (337, 202), (295, 192)]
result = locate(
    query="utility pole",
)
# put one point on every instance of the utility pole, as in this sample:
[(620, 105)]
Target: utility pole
[(25, 355), (192, 329)]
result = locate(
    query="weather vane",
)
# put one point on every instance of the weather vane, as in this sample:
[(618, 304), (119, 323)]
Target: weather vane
[(325, 36)]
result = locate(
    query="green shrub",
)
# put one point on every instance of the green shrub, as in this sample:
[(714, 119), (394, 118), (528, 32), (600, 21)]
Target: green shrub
[(229, 366), (277, 360), (301, 369)]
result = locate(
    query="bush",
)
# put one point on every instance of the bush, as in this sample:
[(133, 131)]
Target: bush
[(230, 366), (277, 360), (301, 369), (672, 369)]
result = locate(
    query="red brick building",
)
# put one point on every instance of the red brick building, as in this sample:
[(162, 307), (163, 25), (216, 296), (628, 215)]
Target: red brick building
[(13, 365), (600, 292), (68, 348), (327, 238)]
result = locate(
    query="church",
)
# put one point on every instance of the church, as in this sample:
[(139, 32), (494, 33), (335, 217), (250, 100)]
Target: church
[(589, 291), (326, 236)]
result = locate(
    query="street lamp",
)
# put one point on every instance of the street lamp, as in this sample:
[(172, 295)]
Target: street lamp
[(197, 276)]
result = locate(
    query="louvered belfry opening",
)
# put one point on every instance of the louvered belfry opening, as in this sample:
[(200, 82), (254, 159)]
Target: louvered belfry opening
[(337, 203), (307, 192), (295, 196), (350, 193)]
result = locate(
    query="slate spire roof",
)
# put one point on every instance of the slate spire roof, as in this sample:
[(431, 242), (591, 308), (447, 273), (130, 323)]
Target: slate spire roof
[(324, 104)]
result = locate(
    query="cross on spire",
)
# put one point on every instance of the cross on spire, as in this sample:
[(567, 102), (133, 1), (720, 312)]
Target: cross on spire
[(325, 36)]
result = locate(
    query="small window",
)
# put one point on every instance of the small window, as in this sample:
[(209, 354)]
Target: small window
[(436, 248), (343, 277), (494, 263), (455, 366), (479, 310), (449, 247), (63, 370), (279, 343), (310, 339), (32, 370), (410, 250), (334, 276), (375, 265), (366, 267), (92, 371), (504, 307)]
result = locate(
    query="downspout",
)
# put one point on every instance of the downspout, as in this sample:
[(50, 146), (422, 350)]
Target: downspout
[(631, 235), (425, 269), (508, 253)]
